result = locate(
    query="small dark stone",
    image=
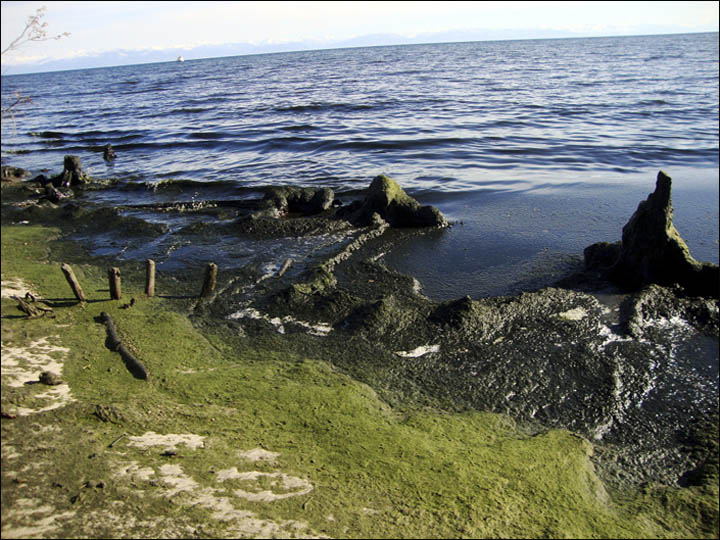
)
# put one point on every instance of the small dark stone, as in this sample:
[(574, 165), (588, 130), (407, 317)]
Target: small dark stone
[(50, 378)]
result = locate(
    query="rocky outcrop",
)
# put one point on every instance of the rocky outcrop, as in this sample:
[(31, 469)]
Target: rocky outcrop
[(387, 199), (294, 200), (13, 174), (652, 250)]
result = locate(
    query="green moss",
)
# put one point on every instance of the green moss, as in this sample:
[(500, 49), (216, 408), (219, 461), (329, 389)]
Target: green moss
[(375, 471)]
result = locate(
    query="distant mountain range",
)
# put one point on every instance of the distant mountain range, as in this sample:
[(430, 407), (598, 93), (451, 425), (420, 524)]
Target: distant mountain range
[(129, 57)]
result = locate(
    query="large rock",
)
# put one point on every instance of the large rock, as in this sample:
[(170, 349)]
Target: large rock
[(387, 199), (652, 250)]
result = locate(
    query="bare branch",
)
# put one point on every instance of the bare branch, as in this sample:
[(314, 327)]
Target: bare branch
[(34, 30)]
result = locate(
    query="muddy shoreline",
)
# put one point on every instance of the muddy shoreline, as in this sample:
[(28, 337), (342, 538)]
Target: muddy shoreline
[(633, 370)]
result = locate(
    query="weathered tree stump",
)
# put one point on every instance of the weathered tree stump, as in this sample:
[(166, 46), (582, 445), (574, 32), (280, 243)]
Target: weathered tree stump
[(150, 278), (74, 284), (73, 173), (208, 287), (114, 278)]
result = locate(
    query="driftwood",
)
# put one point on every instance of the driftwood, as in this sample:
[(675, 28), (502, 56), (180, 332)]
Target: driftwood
[(210, 280), (284, 268), (114, 278), (74, 284), (30, 307), (150, 278), (114, 343)]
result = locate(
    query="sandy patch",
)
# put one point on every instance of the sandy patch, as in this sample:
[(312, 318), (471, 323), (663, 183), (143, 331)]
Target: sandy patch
[(23, 364), (170, 441), (20, 365), (136, 472), (223, 502), (259, 454), (173, 476), (14, 287), (40, 517), (291, 486)]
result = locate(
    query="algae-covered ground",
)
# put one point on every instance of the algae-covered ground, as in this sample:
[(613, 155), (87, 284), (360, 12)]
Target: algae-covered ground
[(238, 437)]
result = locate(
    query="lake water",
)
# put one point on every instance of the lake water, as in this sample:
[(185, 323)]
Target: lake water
[(535, 148)]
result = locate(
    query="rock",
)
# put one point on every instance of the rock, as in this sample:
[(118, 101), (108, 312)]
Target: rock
[(294, 200), (72, 174), (13, 174), (652, 250), (52, 194), (386, 198), (109, 153), (50, 378)]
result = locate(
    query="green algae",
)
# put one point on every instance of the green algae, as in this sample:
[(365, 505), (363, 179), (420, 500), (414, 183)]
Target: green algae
[(376, 470)]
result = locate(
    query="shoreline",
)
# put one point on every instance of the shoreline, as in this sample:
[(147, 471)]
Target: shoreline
[(415, 351)]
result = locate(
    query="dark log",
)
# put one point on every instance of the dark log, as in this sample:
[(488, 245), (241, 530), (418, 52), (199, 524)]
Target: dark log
[(150, 278), (208, 287), (114, 343), (114, 278), (74, 284)]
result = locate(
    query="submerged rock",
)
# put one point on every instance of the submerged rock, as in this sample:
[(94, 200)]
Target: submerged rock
[(652, 250), (388, 200)]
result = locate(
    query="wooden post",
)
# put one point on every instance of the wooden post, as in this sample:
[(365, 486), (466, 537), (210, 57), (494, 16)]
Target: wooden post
[(74, 284), (114, 278), (150, 278), (210, 280)]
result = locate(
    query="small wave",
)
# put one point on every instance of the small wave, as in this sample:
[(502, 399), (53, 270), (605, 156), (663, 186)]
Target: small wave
[(46, 134), (324, 107)]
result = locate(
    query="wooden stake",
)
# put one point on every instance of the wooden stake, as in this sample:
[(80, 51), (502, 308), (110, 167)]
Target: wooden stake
[(114, 277), (210, 280), (150, 278), (74, 284)]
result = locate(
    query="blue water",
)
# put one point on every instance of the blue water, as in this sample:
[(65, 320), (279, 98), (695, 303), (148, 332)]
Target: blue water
[(539, 147)]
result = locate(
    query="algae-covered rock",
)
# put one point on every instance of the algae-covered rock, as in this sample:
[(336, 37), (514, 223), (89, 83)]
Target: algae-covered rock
[(388, 200), (13, 174), (295, 200), (652, 250)]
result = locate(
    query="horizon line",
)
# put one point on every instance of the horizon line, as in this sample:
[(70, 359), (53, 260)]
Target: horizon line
[(328, 48)]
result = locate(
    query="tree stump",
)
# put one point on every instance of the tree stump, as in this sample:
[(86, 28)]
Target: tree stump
[(114, 278), (210, 280), (73, 173), (150, 278)]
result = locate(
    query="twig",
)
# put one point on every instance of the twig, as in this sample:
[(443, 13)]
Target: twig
[(116, 440)]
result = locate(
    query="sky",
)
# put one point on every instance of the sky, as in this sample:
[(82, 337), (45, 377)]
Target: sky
[(103, 27)]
